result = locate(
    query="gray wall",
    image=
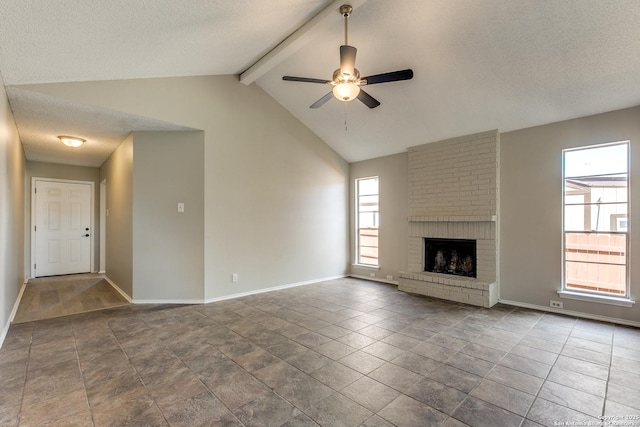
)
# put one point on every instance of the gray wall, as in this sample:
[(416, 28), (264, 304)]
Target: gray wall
[(168, 246), (393, 189), (276, 196), (12, 218), (531, 208), (57, 171), (118, 171)]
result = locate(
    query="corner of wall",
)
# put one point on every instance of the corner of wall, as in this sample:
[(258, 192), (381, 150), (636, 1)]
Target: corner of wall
[(12, 220)]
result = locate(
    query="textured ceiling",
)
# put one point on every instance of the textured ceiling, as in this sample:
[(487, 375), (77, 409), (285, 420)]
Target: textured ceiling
[(479, 65), (42, 118), (46, 41)]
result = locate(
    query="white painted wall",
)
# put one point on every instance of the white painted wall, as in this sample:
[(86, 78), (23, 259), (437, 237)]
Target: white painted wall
[(12, 213)]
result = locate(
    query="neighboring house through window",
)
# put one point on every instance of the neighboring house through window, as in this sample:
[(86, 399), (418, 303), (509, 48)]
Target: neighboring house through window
[(596, 213), (367, 221)]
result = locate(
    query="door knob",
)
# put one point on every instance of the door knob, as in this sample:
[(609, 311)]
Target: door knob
[(86, 235)]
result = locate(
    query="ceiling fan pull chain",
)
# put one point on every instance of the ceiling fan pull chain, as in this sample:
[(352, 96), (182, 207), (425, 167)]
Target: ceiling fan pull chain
[(345, 118)]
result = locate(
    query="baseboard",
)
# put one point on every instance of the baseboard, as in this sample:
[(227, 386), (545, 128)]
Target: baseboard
[(12, 315), (17, 304), (571, 313), (222, 298), (374, 279), (167, 301), (117, 288), (4, 333), (274, 288)]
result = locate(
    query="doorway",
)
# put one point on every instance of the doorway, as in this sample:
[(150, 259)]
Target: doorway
[(62, 227), (103, 226)]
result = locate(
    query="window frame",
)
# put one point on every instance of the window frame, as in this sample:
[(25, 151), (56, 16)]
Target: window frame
[(357, 222), (586, 294)]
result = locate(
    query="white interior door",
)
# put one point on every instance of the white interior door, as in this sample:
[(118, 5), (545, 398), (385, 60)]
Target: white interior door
[(62, 227)]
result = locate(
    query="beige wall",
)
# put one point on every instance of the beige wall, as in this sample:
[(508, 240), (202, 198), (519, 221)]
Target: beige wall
[(57, 171), (531, 208), (12, 218), (276, 196), (118, 171), (393, 186), (168, 246)]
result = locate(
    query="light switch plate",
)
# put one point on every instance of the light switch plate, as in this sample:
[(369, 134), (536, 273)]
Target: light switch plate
[(180, 207)]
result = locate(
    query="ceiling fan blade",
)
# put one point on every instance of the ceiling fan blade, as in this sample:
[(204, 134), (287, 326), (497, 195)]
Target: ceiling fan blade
[(347, 59), (305, 80), (320, 102), (367, 99), (393, 76)]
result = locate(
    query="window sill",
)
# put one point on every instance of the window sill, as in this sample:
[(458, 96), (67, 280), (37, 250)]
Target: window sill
[(602, 299), (370, 267)]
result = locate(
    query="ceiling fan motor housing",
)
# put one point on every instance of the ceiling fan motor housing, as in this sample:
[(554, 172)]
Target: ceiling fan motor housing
[(341, 77)]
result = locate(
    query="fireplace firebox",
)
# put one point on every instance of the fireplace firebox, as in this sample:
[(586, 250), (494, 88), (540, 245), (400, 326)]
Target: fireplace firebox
[(450, 256)]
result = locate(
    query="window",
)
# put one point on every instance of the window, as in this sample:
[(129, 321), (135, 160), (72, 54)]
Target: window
[(596, 194), (367, 221)]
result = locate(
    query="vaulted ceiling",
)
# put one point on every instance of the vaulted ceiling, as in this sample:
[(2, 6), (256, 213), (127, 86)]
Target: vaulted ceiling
[(478, 65)]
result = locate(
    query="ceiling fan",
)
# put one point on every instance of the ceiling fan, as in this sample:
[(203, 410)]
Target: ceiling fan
[(346, 80)]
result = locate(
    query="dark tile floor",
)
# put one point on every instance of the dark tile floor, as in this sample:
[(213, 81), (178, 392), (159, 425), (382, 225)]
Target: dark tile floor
[(340, 353)]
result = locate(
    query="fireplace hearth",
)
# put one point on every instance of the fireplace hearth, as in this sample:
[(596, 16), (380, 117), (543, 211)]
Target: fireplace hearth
[(450, 256)]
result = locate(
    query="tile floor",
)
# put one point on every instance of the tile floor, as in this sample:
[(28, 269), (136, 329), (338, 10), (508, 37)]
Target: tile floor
[(49, 297), (340, 353)]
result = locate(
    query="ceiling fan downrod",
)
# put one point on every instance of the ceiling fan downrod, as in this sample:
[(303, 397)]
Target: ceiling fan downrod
[(345, 10)]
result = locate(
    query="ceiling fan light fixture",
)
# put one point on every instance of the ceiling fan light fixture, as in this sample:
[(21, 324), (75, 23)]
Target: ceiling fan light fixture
[(346, 91), (346, 80), (71, 141)]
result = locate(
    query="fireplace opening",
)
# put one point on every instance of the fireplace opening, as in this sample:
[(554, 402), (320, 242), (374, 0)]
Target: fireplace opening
[(450, 256)]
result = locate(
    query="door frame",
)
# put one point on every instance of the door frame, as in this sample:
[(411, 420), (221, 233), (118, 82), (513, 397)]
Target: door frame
[(103, 227), (33, 218)]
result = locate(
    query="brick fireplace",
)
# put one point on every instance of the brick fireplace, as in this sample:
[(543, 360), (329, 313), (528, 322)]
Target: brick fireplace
[(453, 195)]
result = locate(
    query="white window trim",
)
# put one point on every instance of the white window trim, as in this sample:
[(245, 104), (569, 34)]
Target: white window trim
[(369, 266), (603, 299), (622, 301), (357, 225)]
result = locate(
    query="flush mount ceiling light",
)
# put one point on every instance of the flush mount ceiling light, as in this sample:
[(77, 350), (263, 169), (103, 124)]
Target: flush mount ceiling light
[(71, 141), (346, 80)]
